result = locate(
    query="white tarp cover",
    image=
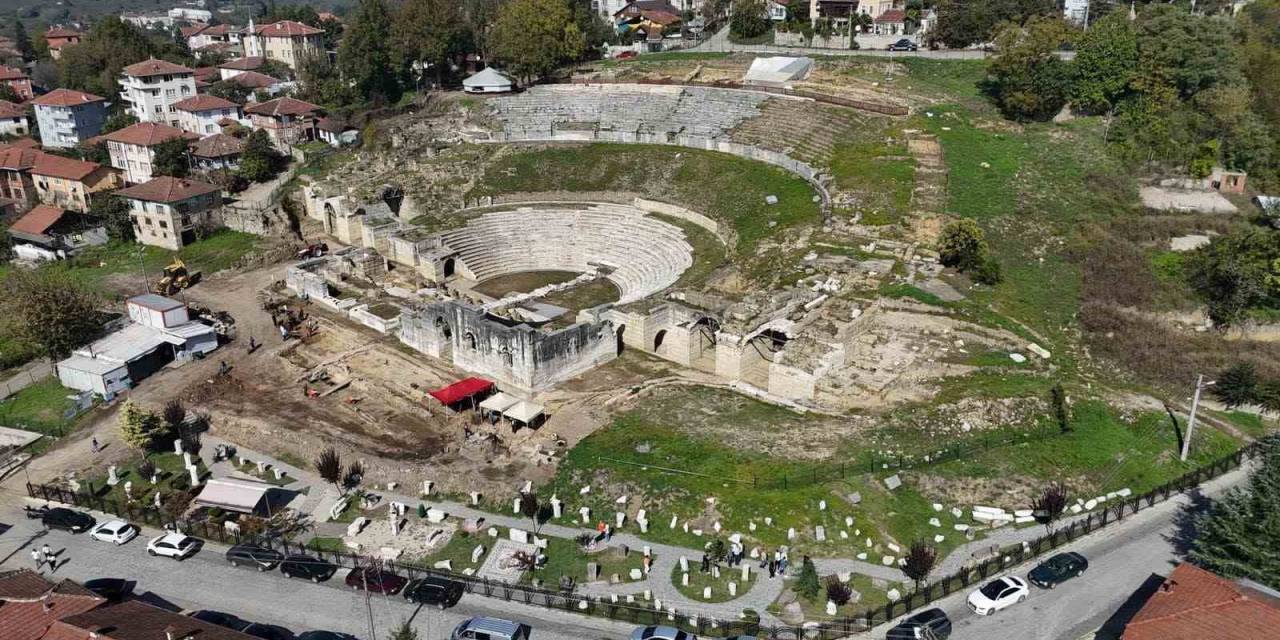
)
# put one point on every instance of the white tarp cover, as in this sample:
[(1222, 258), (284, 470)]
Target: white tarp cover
[(235, 495), (524, 411), (488, 77), (498, 402), (777, 70)]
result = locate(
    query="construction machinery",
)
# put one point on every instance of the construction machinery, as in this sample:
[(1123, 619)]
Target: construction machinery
[(313, 250), (176, 278), (224, 326)]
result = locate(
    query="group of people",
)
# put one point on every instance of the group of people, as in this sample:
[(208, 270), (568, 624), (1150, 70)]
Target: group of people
[(776, 562), (45, 555)]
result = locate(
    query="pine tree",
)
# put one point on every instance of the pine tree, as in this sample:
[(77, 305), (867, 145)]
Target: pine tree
[(428, 31), (365, 55), (1237, 536), (807, 585), (1238, 385), (22, 42), (138, 427)]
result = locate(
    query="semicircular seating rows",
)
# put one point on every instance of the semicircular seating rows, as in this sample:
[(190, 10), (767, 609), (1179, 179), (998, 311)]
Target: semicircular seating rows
[(642, 254)]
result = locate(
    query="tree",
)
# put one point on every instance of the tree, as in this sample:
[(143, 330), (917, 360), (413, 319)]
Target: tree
[(749, 19), (838, 592), (171, 158), (22, 41), (146, 468), (259, 161), (1237, 385), (1061, 412), (962, 245), (429, 32), (114, 213), (1236, 537), (1268, 396), (231, 90), (1048, 507), (174, 414), (529, 507), (1026, 79), (353, 476), (963, 22), (139, 428), (1104, 65), (47, 308), (807, 585), (533, 37), (920, 560), (403, 632), (95, 63), (8, 94), (1232, 274), (1193, 52), (364, 58), (118, 120), (329, 465)]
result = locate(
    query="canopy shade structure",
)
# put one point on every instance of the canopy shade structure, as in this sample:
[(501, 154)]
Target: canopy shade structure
[(461, 390), (241, 496), (498, 402), (524, 411)]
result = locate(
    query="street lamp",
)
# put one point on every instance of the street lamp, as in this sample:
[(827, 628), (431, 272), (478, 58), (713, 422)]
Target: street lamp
[(1201, 385)]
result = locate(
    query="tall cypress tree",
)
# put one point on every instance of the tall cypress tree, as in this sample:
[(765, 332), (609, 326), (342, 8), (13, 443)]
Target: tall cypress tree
[(22, 42), (1240, 534), (365, 55)]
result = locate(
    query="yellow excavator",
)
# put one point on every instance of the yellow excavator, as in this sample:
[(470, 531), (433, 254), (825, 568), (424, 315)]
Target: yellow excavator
[(176, 278)]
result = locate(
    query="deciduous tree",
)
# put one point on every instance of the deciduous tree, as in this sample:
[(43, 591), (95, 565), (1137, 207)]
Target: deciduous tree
[(329, 466), (364, 58), (1026, 79), (1104, 64), (1050, 504), (533, 37), (47, 308), (749, 19), (139, 428), (428, 31), (962, 245), (920, 560), (171, 158)]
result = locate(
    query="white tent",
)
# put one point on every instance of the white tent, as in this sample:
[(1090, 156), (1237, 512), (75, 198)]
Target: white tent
[(498, 403), (777, 70), (524, 411), (488, 80), (241, 496)]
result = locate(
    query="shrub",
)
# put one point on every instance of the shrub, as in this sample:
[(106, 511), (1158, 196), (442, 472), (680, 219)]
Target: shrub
[(807, 585), (962, 245), (838, 592), (988, 272)]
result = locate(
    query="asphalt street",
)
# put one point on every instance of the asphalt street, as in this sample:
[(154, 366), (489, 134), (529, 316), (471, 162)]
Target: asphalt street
[(1123, 558), (206, 581)]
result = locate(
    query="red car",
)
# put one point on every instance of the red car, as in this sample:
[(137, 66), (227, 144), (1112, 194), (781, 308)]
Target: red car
[(375, 579), (626, 55)]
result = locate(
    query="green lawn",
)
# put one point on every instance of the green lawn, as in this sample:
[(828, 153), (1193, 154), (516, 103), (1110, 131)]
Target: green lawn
[(40, 407), (458, 551), (173, 478), (881, 174), (97, 265), (719, 586), (331, 545), (566, 558), (1251, 423)]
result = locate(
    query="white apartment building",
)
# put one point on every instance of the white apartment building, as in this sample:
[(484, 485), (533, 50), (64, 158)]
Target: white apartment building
[(204, 114), (286, 41), (132, 149), (152, 87)]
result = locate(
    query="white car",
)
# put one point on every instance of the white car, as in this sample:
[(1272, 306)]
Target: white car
[(115, 531), (173, 545), (998, 594)]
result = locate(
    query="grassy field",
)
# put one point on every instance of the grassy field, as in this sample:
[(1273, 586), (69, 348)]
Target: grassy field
[(566, 558), (722, 186), (719, 586), (522, 282), (458, 551), (882, 174), (40, 407), (584, 296)]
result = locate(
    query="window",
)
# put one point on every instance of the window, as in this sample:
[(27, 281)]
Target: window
[(159, 109), (164, 224), (169, 93), (146, 221)]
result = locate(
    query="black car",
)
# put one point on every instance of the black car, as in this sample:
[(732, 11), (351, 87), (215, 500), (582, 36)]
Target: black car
[(931, 624), (221, 619), (325, 635), (113, 589), (307, 568), (905, 44), (67, 520), (268, 632), (437, 591), (1059, 568), (260, 558)]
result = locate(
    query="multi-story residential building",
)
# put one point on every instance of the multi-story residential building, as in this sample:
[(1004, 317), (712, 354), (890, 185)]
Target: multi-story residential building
[(287, 41), (233, 68), (132, 149), (17, 80), (218, 152), (167, 211), (58, 38), (202, 35), (15, 176), (205, 114), (287, 121), (69, 183), (68, 117), (255, 82), (13, 120), (152, 87)]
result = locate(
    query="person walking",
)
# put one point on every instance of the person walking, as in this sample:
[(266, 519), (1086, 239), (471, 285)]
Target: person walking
[(706, 563), (773, 568), (46, 552), (37, 558), (93, 444), (778, 560), (784, 562)]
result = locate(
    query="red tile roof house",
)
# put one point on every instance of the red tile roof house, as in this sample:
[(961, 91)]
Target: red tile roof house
[(30, 605), (202, 114), (13, 120), (233, 68), (288, 121), (1194, 604), (217, 152), (151, 88), (71, 183), (167, 212), (68, 117), (51, 233), (132, 149), (58, 38), (136, 620), (15, 175), (18, 81)]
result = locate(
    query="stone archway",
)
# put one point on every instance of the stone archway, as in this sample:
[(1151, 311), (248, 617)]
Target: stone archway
[(449, 266), (657, 340)]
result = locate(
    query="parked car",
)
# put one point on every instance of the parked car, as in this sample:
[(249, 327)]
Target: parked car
[(998, 594), (489, 629), (113, 589), (67, 520), (626, 55), (221, 619), (1058, 569), (931, 624), (325, 635), (376, 579), (904, 44), (437, 591), (268, 632), (307, 568), (260, 558), (173, 545), (114, 531), (661, 633)]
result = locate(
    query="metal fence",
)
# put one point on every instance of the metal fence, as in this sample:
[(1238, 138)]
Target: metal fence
[(640, 614)]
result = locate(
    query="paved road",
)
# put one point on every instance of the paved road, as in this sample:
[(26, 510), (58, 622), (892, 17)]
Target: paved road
[(1123, 558), (205, 581)]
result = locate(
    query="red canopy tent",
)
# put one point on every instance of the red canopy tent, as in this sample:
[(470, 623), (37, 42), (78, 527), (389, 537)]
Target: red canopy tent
[(461, 390)]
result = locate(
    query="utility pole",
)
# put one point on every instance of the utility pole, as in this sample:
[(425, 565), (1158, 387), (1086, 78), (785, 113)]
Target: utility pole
[(1201, 385)]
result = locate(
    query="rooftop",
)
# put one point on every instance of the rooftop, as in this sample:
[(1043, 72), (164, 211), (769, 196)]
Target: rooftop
[(155, 67), (38, 220), (9, 73), (283, 107), (204, 102), (11, 110), (217, 146), (48, 164), (136, 620), (167, 189), (147, 134), (66, 98), (1194, 604), (248, 63), (253, 80), (286, 29), (30, 604)]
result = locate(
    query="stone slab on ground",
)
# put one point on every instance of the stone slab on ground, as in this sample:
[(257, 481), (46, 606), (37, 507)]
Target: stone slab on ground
[(497, 565)]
